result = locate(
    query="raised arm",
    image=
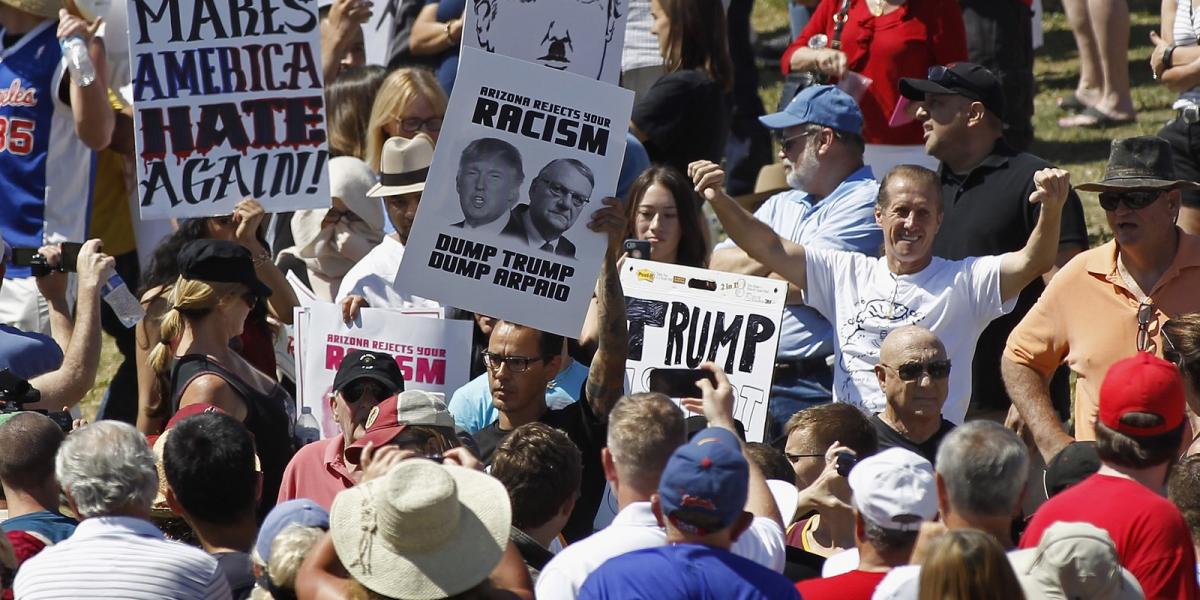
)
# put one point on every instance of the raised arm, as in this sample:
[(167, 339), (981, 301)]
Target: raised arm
[(338, 35), (248, 215), (606, 377), (755, 238), (1017, 269), (94, 117)]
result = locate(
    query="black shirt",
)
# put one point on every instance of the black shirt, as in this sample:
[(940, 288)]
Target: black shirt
[(589, 435), (987, 212), (236, 568), (890, 438), (684, 118)]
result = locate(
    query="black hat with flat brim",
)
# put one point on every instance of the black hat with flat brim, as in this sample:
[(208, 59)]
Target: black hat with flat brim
[(1140, 163)]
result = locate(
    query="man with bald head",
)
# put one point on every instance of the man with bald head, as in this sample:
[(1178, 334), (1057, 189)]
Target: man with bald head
[(914, 374)]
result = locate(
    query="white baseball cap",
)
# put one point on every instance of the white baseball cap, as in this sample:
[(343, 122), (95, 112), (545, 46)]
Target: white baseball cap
[(894, 489)]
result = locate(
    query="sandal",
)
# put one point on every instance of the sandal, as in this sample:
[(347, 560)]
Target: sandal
[(1094, 120), (1072, 104)]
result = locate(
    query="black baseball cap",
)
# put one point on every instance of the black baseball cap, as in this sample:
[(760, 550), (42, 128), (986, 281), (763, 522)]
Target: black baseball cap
[(1074, 463), (964, 79), (364, 364), (220, 260)]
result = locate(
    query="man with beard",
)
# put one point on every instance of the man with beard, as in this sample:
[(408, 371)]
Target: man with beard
[(830, 205)]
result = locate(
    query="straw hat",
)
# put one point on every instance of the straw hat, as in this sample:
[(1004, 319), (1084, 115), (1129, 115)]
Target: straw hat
[(41, 8), (422, 531), (403, 166)]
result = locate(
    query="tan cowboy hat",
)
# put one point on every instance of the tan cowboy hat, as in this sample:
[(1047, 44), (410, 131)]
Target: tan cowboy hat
[(422, 531), (42, 8), (403, 166)]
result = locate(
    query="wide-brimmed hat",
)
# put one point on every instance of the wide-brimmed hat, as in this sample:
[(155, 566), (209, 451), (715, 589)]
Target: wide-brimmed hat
[(41, 8), (1139, 163), (1074, 560), (422, 531), (403, 166)]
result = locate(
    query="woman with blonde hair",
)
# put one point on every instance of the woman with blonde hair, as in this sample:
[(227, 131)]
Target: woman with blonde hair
[(968, 564), (217, 288), (409, 101)]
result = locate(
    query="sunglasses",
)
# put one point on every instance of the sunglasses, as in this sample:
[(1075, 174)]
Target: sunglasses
[(788, 143), (796, 457), (1145, 316), (936, 369), (941, 74), (1133, 200), (516, 364), (355, 390), (1170, 352)]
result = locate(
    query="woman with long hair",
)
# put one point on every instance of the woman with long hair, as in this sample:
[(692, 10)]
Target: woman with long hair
[(409, 102), (348, 103), (968, 564), (664, 209)]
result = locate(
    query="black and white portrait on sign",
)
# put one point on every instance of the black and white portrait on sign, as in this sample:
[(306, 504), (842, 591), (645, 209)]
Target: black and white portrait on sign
[(488, 182), (557, 197), (579, 36)]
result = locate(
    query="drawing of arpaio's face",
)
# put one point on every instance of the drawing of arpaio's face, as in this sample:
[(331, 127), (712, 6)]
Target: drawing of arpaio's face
[(489, 180), (558, 194), (571, 35)]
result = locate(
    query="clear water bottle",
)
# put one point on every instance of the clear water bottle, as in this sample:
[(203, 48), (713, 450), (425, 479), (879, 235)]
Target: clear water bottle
[(121, 301), (307, 429), (75, 50)]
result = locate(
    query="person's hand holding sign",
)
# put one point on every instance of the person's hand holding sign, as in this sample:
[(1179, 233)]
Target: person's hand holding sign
[(611, 220)]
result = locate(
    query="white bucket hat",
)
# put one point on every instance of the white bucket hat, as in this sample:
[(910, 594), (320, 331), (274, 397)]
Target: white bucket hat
[(403, 166), (1074, 560), (423, 531)]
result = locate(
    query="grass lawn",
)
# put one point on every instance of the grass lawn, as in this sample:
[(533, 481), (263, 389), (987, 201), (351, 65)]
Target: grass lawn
[(1081, 151)]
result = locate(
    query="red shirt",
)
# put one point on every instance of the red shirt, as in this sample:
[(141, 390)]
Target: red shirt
[(1151, 537), (854, 585), (318, 472), (903, 43)]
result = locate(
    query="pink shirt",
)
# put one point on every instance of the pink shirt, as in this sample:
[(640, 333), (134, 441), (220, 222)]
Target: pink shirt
[(317, 472)]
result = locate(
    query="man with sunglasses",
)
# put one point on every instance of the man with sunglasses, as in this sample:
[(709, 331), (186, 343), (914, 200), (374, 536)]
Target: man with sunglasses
[(556, 198), (986, 186), (915, 376), (1109, 302), (320, 470)]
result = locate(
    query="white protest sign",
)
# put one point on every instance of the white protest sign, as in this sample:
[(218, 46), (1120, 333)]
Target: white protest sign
[(433, 354), (680, 317), (377, 33), (577, 36), (228, 103), (525, 157)]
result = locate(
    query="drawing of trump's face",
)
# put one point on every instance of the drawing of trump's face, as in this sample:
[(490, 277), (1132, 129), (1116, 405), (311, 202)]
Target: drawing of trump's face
[(570, 35)]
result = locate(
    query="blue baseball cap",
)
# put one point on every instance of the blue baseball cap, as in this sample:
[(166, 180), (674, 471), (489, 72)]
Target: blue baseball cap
[(302, 512), (820, 105), (705, 483)]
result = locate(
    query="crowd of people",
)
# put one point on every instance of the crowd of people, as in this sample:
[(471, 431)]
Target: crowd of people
[(967, 401)]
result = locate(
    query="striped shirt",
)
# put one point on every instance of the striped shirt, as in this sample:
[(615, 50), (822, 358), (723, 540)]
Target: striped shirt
[(120, 557), (1187, 26)]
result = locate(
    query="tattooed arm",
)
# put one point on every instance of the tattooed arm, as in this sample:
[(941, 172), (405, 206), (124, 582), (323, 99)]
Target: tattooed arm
[(606, 377)]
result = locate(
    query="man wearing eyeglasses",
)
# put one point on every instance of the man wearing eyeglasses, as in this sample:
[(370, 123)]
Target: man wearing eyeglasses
[(1109, 302), (986, 186), (914, 374), (556, 198)]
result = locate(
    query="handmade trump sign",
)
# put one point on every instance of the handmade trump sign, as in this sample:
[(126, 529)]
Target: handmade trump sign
[(525, 157), (433, 354), (577, 36), (680, 317), (228, 104)]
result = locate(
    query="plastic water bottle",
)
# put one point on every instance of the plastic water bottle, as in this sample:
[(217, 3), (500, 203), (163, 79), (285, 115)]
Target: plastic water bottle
[(75, 50), (121, 301), (307, 430)]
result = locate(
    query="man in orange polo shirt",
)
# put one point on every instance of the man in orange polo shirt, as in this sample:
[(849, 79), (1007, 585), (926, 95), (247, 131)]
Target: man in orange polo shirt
[(1108, 302)]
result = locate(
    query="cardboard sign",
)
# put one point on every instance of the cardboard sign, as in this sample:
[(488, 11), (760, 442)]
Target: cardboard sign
[(434, 354), (680, 317), (525, 156), (377, 32), (576, 36), (228, 104)]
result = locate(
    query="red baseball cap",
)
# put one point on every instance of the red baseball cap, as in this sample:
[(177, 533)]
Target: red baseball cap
[(1142, 383), (392, 416)]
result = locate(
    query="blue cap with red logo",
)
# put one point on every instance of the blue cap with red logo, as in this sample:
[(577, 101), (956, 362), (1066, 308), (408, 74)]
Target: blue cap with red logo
[(705, 483)]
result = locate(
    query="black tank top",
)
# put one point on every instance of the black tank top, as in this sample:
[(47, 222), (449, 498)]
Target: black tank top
[(267, 419)]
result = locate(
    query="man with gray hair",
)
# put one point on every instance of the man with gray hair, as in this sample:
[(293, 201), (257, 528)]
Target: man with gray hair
[(107, 473)]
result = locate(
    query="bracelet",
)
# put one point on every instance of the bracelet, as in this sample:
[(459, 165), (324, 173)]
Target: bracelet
[(1167, 55), (449, 38), (261, 259)]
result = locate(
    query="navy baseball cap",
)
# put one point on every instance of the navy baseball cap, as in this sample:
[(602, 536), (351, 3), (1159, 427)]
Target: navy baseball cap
[(964, 79), (823, 105), (705, 483)]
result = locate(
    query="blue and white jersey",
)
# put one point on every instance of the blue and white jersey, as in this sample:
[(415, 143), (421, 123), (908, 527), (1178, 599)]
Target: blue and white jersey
[(45, 170)]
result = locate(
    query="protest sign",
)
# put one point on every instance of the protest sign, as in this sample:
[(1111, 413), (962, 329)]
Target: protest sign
[(433, 354), (680, 317), (525, 157), (577, 36), (377, 32), (228, 104)]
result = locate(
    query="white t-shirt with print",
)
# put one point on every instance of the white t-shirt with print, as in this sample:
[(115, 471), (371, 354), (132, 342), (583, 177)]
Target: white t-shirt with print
[(955, 299)]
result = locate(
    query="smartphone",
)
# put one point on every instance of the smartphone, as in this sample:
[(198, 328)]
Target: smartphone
[(679, 383), (845, 462), (638, 249), (70, 256)]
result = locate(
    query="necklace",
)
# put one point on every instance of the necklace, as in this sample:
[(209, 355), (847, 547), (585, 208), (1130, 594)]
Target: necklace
[(879, 7)]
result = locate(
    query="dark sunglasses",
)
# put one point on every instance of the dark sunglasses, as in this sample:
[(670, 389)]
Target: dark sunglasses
[(796, 457), (941, 74), (1133, 199), (937, 369), (355, 390), (1145, 316)]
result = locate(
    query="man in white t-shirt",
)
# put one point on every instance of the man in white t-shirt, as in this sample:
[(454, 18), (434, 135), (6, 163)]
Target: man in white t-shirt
[(643, 430), (865, 297)]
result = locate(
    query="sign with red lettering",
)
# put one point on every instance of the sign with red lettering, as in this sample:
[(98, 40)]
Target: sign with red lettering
[(228, 104), (433, 354)]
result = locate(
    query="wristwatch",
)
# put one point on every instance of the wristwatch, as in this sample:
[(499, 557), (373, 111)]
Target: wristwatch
[(1166, 57)]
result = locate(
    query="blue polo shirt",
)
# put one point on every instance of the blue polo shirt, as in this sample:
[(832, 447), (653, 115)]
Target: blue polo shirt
[(28, 354), (685, 572), (843, 220)]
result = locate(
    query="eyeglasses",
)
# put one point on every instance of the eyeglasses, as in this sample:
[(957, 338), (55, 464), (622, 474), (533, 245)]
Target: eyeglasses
[(940, 74), (355, 390), (1145, 316), (786, 144), (796, 457), (516, 364), (413, 124), (251, 299), (1170, 352), (560, 191), (1134, 200), (937, 369)]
